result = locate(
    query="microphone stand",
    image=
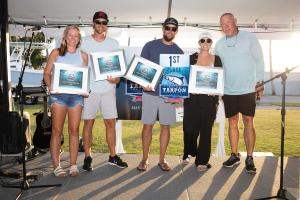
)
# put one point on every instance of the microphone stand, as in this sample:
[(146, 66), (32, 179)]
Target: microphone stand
[(281, 194), (24, 185)]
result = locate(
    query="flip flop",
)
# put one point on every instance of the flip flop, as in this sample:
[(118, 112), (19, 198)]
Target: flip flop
[(59, 172), (143, 166), (164, 166), (73, 171)]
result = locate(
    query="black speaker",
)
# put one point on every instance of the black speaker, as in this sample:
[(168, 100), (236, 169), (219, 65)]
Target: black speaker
[(11, 134)]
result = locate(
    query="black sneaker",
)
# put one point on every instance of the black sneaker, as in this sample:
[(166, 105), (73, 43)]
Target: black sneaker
[(87, 164), (250, 167), (117, 161), (232, 160)]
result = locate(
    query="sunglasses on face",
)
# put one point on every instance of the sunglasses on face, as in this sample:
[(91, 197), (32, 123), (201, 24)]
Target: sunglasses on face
[(208, 40), (101, 22), (169, 28)]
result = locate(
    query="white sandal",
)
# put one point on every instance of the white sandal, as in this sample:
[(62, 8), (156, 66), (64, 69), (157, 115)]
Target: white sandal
[(187, 160), (59, 172), (202, 168), (73, 171)]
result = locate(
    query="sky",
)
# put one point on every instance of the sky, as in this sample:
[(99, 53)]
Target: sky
[(285, 53)]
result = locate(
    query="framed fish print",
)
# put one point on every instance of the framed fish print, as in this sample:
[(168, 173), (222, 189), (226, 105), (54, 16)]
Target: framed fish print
[(69, 79), (108, 64), (204, 80), (144, 72)]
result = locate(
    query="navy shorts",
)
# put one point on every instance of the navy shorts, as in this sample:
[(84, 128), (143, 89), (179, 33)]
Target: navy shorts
[(244, 103), (68, 100)]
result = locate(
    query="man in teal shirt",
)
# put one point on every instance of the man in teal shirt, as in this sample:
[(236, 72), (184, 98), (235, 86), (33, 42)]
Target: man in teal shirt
[(243, 64)]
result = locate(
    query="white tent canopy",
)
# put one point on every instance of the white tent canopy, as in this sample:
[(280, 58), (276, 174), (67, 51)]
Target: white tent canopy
[(266, 15), (136, 21), (268, 12)]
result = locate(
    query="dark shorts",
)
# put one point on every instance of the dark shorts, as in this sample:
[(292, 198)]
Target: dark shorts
[(234, 104)]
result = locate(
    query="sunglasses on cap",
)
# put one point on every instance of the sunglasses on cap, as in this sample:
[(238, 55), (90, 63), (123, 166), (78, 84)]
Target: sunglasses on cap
[(101, 22), (208, 40), (169, 28)]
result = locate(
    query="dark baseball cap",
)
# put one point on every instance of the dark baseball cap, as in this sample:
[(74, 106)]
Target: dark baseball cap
[(171, 20), (100, 15)]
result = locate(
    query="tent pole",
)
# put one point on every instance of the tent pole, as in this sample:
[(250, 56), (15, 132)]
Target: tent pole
[(271, 67), (169, 8), (4, 98)]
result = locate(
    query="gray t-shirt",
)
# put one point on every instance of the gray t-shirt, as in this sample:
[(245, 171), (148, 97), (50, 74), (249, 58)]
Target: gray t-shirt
[(90, 45)]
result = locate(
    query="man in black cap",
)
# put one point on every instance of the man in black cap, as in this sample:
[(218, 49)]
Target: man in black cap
[(102, 96), (153, 104)]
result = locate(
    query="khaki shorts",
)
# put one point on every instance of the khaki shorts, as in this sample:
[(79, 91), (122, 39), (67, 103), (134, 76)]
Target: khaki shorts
[(155, 106), (104, 102)]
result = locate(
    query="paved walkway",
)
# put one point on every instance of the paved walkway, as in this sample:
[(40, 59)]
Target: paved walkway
[(278, 99), (267, 102), (182, 182)]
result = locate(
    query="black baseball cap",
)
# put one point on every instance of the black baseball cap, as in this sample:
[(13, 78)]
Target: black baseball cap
[(171, 20), (100, 15)]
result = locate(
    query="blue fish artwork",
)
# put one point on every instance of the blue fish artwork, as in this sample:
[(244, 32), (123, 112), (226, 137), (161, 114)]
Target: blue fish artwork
[(175, 79), (144, 72), (207, 80), (174, 82), (70, 79), (109, 64)]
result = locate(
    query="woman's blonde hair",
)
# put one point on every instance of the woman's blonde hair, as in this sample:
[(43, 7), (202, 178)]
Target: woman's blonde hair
[(63, 45)]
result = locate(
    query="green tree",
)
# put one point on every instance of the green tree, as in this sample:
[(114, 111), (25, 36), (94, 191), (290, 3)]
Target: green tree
[(36, 57)]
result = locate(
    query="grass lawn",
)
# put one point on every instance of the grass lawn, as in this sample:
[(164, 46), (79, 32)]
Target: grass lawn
[(267, 123)]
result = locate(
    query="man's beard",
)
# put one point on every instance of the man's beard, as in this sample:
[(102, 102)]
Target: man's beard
[(101, 31), (168, 39)]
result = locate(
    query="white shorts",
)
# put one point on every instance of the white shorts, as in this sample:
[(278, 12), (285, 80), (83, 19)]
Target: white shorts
[(104, 102)]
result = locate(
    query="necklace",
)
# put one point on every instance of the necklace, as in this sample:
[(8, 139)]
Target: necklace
[(231, 42)]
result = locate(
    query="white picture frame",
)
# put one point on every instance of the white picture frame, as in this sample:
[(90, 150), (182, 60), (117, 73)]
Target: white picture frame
[(106, 64), (70, 79), (144, 72), (206, 80)]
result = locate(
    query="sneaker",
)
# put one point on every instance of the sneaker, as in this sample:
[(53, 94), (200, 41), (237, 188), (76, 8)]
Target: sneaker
[(250, 167), (232, 160), (87, 163), (117, 161), (186, 159)]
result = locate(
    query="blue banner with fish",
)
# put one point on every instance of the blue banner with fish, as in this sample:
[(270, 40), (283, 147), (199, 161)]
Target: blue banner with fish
[(175, 76), (175, 82)]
